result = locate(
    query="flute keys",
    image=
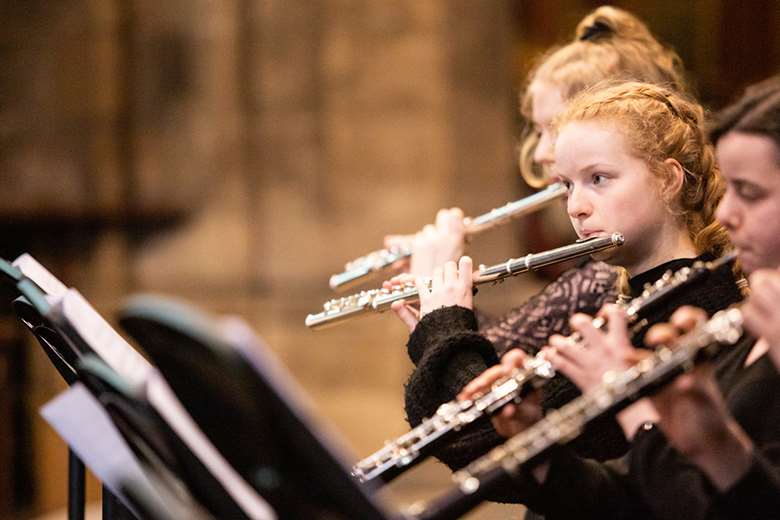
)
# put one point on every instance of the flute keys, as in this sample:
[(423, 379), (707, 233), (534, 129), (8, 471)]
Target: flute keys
[(469, 485)]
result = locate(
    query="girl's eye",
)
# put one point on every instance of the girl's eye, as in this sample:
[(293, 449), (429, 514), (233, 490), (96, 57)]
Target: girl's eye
[(598, 179), (749, 192)]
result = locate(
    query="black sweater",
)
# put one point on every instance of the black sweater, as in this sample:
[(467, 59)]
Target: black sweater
[(449, 351)]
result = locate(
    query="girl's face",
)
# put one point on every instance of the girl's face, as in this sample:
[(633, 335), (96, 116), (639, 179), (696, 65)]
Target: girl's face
[(750, 209), (610, 189), (546, 103)]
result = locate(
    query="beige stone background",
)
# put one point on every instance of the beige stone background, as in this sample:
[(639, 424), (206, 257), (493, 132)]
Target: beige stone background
[(235, 153)]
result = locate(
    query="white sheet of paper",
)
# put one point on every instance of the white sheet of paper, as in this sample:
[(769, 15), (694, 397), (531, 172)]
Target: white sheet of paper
[(109, 345), (101, 336), (33, 270), (80, 420)]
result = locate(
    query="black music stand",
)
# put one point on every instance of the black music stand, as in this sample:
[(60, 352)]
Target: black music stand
[(155, 443), (149, 440), (246, 404), (34, 309), (25, 310), (63, 361)]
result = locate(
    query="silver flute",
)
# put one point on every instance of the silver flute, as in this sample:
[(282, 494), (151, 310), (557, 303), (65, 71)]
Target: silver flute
[(406, 451), (379, 300), (617, 390), (359, 269)]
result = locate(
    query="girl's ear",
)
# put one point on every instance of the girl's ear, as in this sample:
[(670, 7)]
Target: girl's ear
[(673, 180)]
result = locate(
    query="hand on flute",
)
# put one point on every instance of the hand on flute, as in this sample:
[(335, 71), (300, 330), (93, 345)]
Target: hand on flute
[(408, 313), (587, 361), (760, 311), (513, 417), (434, 245), (693, 414), (450, 285)]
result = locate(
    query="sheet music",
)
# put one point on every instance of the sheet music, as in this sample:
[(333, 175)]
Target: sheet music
[(162, 398), (99, 445), (33, 270), (102, 338)]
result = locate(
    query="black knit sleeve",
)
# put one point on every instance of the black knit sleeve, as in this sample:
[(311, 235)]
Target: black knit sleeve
[(449, 352)]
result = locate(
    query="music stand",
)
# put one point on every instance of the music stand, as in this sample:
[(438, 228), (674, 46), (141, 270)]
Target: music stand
[(250, 408), (43, 297), (147, 438), (24, 308), (161, 426)]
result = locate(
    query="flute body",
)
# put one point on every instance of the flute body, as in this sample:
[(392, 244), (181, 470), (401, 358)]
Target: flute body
[(379, 300), (411, 448), (359, 269), (618, 390)]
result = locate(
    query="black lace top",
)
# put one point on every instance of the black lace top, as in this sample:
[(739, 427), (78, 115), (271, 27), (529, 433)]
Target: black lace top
[(584, 289)]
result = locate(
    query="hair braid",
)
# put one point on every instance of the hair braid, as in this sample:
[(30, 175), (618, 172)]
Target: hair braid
[(661, 124)]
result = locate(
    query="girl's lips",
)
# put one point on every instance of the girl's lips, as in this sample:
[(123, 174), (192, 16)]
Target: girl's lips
[(590, 233)]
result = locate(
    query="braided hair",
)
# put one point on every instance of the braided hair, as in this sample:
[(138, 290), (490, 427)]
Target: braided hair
[(661, 124)]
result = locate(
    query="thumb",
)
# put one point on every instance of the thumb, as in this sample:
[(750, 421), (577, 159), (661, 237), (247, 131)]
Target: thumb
[(405, 313)]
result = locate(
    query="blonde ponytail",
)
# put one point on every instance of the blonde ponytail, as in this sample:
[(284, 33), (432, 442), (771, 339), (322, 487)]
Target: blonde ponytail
[(609, 43)]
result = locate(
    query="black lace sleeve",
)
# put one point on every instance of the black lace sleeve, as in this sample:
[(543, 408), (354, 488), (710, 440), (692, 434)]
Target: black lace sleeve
[(584, 289)]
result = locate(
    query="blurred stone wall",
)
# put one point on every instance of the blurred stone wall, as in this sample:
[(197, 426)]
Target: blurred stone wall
[(237, 153)]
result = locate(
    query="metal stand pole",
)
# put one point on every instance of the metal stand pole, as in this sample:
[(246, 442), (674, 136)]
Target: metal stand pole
[(109, 501), (76, 486)]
